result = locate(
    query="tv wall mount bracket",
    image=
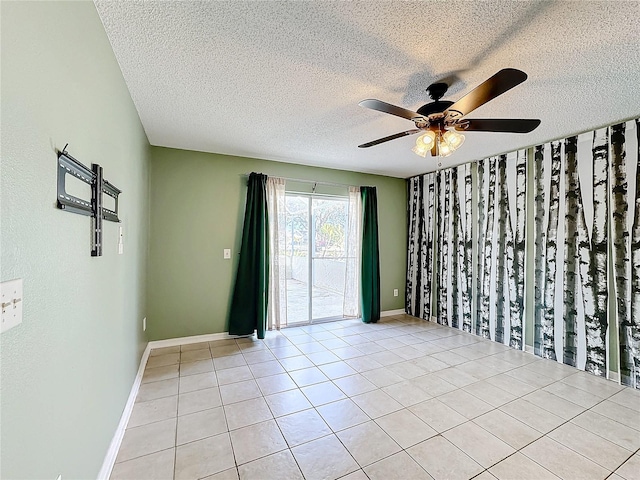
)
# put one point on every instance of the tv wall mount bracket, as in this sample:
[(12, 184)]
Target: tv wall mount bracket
[(94, 208)]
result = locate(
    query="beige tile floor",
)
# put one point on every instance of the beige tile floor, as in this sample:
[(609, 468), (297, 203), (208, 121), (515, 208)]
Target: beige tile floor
[(400, 399)]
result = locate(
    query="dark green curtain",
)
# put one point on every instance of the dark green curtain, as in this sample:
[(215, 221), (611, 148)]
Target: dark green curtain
[(250, 293), (370, 265)]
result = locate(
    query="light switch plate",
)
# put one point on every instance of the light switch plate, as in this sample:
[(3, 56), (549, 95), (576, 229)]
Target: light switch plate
[(11, 299), (120, 241), (395, 292), (227, 253)]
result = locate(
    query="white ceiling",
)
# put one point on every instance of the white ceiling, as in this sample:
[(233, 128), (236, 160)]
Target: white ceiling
[(281, 80)]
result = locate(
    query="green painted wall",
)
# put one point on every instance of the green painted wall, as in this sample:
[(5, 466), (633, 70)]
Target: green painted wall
[(197, 209), (68, 368)]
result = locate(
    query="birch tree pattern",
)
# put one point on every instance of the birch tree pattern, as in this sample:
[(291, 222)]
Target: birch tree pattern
[(501, 248), (439, 247), (444, 236), (440, 207), (563, 296), (596, 323), (420, 213), (485, 312), (625, 229), (585, 209), (571, 281), (455, 242), (570, 273), (539, 260), (517, 272), (551, 252), (482, 180), (465, 252), (458, 246)]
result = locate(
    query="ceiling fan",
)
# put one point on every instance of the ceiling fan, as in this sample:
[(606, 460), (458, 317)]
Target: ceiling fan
[(440, 120)]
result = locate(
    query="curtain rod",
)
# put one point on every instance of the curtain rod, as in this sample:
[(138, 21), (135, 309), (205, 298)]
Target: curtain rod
[(314, 182)]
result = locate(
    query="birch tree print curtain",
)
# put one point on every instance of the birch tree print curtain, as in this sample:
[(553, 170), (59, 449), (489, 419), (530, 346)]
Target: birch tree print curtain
[(454, 247), (431, 196), (571, 283), (420, 256), (469, 225), (625, 140), (584, 215), (501, 247)]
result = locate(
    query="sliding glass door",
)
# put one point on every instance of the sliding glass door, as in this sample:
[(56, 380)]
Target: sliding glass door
[(298, 209), (316, 257)]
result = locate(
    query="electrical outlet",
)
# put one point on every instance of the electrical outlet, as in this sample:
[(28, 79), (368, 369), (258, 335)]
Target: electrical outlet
[(226, 253), (144, 324), (395, 292)]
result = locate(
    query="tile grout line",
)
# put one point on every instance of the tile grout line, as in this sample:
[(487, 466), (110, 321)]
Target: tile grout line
[(374, 420), (334, 433), (514, 366)]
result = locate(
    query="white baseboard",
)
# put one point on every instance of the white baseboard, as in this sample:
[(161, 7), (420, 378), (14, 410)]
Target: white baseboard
[(112, 452), (209, 337), (391, 313), (614, 376), (529, 349), (116, 441)]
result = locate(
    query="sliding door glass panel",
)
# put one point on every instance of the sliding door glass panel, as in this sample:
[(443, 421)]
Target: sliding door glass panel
[(298, 209), (328, 247)]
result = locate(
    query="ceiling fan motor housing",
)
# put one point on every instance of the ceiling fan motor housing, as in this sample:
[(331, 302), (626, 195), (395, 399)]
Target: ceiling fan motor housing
[(434, 107), (432, 115), (437, 90)]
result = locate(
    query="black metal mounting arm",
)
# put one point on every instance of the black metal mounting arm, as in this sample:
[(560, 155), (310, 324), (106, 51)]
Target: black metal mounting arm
[(67, 165)]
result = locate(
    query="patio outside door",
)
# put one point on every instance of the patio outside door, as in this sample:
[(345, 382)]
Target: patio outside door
[(316, 257)]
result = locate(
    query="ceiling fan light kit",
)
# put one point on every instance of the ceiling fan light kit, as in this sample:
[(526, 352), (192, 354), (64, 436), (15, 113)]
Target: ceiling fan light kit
[(444, 143), (424, 143), (440, 121), (453, 139)]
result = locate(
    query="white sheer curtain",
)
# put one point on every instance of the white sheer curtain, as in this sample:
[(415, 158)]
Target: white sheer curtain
[(351, 305), (277, 316)]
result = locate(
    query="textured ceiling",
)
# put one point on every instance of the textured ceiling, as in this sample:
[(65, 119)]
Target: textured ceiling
[(282, 80)]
